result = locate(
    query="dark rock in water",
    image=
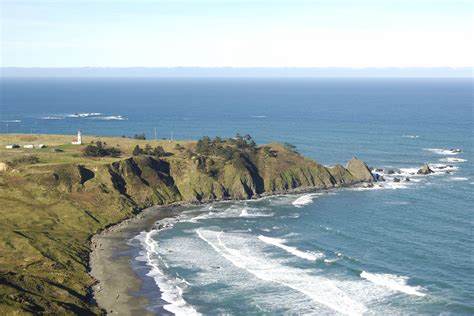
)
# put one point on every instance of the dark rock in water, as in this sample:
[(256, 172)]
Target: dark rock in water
[(447, 172), (399, 172), (396, 180), (359, 170), (442, 167), (370, 185), (407, 179), (455, 150), (379, 170), (425, 170), (390, 172), (381, 178)]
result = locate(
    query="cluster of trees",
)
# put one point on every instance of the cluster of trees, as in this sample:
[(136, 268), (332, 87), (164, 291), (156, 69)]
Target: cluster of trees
[(100, 149), (158, 151), (139, 136), (226, 148)]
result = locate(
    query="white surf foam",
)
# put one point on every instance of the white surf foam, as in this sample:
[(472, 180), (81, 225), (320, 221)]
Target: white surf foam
[(304, 200), (410, 136), (294, 251), (319, 289), (234, 211), (441, 151), (171, 291), (452, 159), (458, 179), (110, 118), (11, 121), (52, 118), (393, 282), (81, 115), (258, 116)]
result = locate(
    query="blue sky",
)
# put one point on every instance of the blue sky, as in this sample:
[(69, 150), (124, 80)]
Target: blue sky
[(265, 33)]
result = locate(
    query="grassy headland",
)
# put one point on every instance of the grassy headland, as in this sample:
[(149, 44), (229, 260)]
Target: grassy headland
[(53, 202)]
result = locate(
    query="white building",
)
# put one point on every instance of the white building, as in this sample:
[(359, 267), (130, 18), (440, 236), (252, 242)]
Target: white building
[(78, 140), (28, 146), (12, 146)]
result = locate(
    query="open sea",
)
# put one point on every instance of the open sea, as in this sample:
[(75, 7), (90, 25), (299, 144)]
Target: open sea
[(397, 248)]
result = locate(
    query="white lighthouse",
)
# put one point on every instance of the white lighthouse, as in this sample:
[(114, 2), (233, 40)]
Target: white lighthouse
[(78, 140)]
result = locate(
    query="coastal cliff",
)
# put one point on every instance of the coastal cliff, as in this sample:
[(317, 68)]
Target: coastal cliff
[(51, 208)]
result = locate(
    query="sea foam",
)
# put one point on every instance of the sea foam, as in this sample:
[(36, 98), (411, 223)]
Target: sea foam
[(304, 200), (294, 251), (393, 282), (110, 118), (452, 159), (319, 289), (441, 151), (171, 291)]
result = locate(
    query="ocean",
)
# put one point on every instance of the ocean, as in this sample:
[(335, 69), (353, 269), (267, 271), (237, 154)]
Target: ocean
[(397, 248)]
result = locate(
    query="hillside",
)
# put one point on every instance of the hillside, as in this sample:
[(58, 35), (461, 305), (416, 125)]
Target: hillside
[(53, 202)]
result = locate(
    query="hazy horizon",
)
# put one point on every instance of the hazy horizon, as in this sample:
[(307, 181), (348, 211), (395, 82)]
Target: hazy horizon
[(253, 72)]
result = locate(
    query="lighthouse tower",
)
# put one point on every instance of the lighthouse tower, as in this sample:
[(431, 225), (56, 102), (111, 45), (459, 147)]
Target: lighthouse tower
[(78, 140)]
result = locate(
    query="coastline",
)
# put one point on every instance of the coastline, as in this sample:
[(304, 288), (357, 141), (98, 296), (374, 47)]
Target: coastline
[(110, 261), (111, 256)]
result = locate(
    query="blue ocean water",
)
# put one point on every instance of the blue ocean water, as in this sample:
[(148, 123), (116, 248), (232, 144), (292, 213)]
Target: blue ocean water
[(400, 248)]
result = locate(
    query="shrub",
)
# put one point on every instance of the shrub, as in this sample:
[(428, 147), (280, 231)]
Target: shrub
[(24, 160), (100, 150), (139, 136)]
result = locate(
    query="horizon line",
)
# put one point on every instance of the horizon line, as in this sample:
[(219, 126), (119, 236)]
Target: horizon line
[(228, 71)]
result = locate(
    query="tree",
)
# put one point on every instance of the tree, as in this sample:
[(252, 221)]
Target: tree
[(139, 136), (148, 150), (159, 151), (137, 151)]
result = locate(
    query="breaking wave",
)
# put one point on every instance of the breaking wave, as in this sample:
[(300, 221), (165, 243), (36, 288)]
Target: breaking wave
[(82, 115), (110, 118), (304, 200), (319, 289), (393, 282), (172, 289), (52, 117), (11, 121), (294, 251), (441, 151), (452, 159)]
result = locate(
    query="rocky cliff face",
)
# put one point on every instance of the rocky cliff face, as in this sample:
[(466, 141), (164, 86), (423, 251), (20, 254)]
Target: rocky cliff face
[(143, 181)]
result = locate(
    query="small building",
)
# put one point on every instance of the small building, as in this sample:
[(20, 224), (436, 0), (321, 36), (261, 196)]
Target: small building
[(78, 140), (29, 146), (40, 146), (12, 146)]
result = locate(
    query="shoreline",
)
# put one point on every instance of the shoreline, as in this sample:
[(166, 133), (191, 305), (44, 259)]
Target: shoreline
[(111, 256), (117, 288)]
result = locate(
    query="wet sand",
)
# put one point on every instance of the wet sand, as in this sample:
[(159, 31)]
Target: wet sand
[(118, 287)]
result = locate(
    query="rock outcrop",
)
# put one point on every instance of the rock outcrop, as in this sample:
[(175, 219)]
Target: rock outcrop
[(425, 170), (359, 170)]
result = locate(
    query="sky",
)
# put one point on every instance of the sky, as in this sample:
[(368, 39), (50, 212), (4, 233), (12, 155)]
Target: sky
[(237, 33)]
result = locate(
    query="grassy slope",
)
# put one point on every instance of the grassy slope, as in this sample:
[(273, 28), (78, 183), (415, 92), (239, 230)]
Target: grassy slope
[(50, 209)]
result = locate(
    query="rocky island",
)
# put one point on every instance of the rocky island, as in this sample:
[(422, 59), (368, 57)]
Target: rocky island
[(56, 197)]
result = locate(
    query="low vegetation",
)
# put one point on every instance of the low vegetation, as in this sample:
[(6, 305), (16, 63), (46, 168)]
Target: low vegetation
[(100, 149)]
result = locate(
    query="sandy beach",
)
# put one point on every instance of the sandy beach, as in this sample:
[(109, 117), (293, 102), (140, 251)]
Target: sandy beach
[(117, 290)]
